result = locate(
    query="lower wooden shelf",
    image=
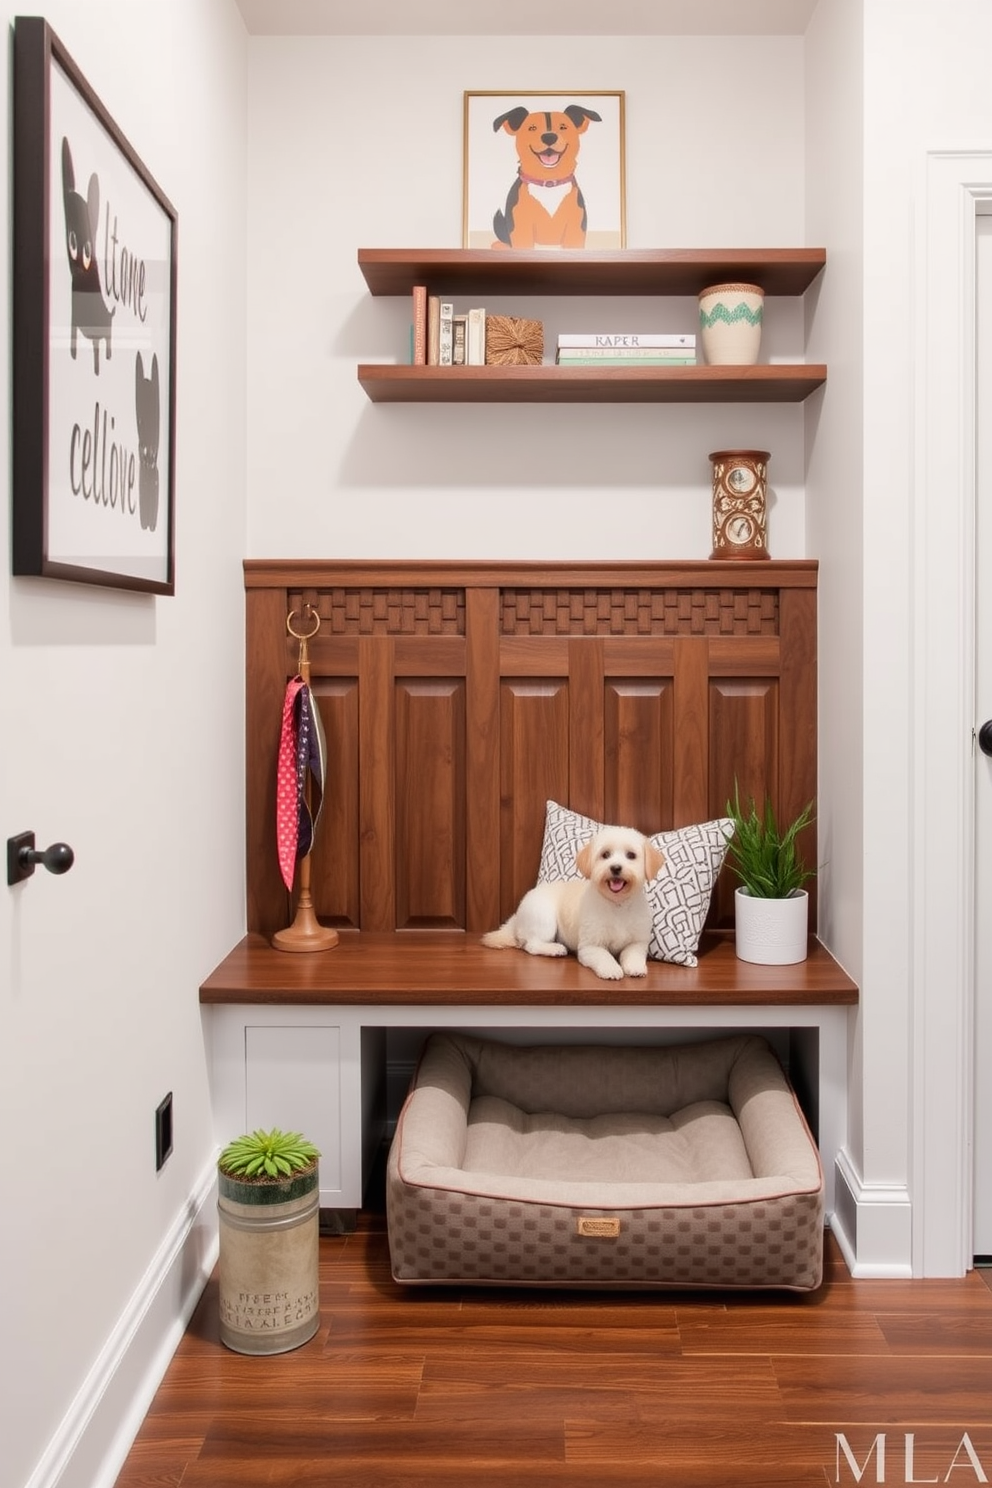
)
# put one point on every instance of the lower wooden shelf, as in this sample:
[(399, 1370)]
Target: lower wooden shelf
[(762, 383)]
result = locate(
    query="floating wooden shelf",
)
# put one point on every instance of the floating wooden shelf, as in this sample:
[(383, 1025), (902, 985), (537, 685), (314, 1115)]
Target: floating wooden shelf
[(461, 272), (549, 384), (655, 271)]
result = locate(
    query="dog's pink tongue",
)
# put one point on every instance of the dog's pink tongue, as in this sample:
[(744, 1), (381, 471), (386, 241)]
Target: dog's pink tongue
[(550, 157), (616, 884)]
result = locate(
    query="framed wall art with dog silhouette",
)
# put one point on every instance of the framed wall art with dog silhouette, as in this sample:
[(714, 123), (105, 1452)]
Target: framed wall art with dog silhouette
[(94, 336), (544, 171)]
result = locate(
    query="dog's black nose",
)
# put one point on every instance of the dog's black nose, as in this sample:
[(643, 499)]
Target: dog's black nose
[(548, 139)]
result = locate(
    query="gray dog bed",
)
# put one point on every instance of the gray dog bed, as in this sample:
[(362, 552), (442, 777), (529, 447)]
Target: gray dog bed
[(578, 1165)]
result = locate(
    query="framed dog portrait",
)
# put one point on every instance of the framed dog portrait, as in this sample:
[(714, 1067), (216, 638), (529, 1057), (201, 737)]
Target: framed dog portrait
[(94, 336), (544, 171)]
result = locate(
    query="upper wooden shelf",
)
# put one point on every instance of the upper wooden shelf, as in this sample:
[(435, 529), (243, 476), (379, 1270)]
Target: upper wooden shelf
[(761, 383), (654, 271)]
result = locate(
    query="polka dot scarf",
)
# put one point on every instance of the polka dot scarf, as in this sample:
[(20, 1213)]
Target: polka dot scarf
[(302, 756)]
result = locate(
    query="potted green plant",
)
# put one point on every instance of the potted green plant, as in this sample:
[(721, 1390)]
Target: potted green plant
[(268, 1204), (771, 904)]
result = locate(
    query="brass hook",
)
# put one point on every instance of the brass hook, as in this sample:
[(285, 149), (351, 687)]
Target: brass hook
[(303, 664), (303, 635)]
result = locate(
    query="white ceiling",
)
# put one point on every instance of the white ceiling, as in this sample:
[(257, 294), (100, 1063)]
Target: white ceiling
[(523, 18)]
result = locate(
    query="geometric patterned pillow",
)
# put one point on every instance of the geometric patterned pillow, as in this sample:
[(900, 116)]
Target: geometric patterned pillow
[(680, 894)]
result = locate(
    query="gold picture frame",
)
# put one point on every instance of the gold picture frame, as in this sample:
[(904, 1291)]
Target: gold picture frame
[(568, 195)]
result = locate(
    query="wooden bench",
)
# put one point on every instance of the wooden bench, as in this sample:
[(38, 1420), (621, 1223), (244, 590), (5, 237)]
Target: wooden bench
[(457, 699)]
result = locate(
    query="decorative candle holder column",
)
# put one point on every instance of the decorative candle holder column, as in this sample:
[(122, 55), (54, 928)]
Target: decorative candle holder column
[(739, 504)]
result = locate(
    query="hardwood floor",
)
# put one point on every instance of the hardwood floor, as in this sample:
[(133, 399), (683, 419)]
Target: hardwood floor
[(864, 1381)]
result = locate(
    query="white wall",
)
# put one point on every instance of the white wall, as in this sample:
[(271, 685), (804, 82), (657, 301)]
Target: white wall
[(926, 89), (122, 722), (357, 142), (889, 81), (835, 478)]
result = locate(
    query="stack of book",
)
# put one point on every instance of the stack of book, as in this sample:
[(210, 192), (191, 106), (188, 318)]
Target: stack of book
[(626, 349), (444, 338)]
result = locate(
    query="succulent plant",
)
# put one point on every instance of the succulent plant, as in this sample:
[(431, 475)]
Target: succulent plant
[(267, 1154)]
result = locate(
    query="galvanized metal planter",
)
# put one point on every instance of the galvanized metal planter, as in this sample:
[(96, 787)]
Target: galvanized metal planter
[(269, 1274)]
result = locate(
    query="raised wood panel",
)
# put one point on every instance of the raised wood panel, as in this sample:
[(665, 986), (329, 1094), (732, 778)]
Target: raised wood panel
[(430, 804), (335, 865), (744, 748), (639, 774), (744, 736), (586, 771), (534, 750)]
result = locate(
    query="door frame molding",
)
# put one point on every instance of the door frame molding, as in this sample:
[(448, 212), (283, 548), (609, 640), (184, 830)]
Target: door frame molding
[(956, 188)]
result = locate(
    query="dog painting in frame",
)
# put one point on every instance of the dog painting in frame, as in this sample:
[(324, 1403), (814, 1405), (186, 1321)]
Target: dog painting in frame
[(544, 171)]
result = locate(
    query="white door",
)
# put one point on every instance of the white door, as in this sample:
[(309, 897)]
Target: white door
[(983, 782)]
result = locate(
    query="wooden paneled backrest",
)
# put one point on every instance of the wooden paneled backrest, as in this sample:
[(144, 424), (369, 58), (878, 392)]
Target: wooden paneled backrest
[(457, 698)]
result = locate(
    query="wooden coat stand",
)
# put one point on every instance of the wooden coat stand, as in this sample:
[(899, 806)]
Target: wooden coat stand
[(306, 933)]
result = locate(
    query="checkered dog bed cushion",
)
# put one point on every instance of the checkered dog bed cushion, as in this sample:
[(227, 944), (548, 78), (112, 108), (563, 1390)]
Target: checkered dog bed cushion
[(571, 1165)]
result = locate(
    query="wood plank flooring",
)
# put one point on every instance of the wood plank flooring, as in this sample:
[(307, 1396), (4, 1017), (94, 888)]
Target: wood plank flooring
[(864, 1381)]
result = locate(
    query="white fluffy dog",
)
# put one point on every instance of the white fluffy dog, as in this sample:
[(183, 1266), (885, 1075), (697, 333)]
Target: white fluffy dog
[(604, 916)]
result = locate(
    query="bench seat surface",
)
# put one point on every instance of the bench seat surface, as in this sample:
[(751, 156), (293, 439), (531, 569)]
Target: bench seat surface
[(451, 967)]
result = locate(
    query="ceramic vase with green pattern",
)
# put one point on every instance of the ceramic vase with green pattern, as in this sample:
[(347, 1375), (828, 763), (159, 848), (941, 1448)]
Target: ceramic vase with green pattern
[(730, 319)]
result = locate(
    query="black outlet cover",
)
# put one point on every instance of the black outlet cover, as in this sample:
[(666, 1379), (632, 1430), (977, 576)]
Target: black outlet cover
[(163, 1132)]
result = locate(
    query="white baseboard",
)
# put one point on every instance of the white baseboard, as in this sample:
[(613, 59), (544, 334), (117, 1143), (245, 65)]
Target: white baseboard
[(873, 1224), (93, 1440)]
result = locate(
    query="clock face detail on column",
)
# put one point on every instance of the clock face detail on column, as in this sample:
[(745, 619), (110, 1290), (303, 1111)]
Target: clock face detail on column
[(741, 479), (739, 529), (739, 498)]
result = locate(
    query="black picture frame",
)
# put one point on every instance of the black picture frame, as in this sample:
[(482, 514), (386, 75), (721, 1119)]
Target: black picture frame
[(94, 336)]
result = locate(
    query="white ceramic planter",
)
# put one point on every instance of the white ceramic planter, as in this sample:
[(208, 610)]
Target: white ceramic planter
[(730, 320), (771, 932)]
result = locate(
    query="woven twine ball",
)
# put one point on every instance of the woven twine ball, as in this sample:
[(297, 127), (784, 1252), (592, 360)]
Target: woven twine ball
[(514, 343)]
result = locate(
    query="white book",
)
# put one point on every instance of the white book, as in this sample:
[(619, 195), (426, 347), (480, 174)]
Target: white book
[(477, 337), (444, 349), (627, 353), (624, 340)]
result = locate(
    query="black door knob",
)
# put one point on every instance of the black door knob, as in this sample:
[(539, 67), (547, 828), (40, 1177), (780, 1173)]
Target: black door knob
[(22, 855), (985, 737), (58, 858)]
